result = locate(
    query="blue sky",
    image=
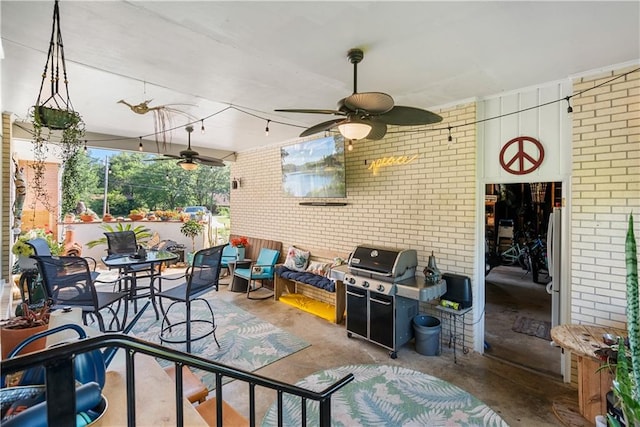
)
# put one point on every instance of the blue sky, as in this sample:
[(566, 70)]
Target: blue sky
[(98, 153)]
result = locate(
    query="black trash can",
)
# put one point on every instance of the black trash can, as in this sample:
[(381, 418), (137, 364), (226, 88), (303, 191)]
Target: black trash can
[(427, 333)]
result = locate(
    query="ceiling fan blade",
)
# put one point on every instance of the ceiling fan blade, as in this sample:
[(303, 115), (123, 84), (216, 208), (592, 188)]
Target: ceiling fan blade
[(407, 116), (309, 111), (208, 161), (321, 127), (166, 157), (372, 102), (378, 131)]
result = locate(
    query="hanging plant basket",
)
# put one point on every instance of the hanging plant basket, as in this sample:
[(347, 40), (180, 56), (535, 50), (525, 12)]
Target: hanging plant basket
[(55, 119)]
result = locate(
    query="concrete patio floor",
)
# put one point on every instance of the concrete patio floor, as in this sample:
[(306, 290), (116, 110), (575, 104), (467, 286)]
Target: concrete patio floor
[(521, 397)]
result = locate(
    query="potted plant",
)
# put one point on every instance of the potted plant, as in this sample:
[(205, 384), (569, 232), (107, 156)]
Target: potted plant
[(89, 216), (191, 229), (626, 384), (73, 129), (24, 251), (240, 243), (16, 329), (136, 214)]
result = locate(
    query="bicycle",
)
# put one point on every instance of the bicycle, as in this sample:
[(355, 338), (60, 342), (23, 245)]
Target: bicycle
[(539, 263), (516, 253)]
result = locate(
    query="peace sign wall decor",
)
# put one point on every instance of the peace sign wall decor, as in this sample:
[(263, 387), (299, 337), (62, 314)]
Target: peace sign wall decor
[(521, 155)]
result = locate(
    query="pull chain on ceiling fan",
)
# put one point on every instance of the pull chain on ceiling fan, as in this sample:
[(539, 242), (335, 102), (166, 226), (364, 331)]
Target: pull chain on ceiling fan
[(366, 115)]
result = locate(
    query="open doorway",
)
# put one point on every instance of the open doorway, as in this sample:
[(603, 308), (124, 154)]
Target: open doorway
[(519, 306)]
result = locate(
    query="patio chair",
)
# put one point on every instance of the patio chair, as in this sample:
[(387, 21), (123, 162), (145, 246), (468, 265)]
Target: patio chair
[(68, 283), (124, 243), (41, 248), (262, 270), (229, 253), (30, 284), (201, 277)]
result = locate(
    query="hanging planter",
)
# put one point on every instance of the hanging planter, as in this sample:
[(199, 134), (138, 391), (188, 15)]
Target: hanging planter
[(55, 113), (55, 119)]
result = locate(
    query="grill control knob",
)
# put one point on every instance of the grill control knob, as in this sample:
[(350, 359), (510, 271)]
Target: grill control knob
[(380, 288), (352, 280), (365, 284)]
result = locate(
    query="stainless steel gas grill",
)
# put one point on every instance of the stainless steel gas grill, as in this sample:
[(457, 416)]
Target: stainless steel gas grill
[(383, 294)]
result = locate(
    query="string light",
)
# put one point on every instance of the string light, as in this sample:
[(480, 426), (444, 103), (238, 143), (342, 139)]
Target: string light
[(202, 126), (266, 130), (350, 146), (569, 108), (85, 145), (414, 130), (140, 146), (449, 138)]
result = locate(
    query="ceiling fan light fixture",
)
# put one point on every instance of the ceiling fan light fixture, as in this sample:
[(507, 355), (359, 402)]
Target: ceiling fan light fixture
[(188, 165), (354, 129)]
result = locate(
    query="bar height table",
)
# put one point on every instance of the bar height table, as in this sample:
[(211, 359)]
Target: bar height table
[(125, 262)]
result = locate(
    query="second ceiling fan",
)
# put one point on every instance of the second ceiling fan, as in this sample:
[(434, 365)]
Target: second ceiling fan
[(189, 159), (366, 115)]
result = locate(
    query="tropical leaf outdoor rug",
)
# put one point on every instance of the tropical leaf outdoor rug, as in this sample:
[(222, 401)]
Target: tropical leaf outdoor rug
[(533, 327), (246, 342), (382, 395)]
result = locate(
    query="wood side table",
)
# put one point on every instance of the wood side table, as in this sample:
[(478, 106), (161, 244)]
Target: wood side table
[(593, 384)]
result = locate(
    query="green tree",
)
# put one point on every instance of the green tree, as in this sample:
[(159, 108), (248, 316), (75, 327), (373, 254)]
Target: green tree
[(79, 181), (141, 180)]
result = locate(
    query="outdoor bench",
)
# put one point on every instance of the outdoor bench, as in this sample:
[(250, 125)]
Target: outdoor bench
[(321, 294)]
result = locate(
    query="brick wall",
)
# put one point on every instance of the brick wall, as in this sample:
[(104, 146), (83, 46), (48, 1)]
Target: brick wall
[(427, 205), (35, 213), (5, 168), (605, 189)]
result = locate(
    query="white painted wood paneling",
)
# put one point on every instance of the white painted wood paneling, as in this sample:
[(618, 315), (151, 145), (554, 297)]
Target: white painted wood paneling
[(549, 124)]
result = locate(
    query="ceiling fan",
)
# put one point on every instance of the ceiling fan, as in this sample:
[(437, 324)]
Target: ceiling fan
[(366, 115), (189, 159)]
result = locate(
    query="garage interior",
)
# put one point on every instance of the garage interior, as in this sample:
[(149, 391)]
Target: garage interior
[(518, 306)]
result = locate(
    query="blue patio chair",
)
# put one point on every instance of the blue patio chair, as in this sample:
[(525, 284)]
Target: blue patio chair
[(229, 253), (262, 270)]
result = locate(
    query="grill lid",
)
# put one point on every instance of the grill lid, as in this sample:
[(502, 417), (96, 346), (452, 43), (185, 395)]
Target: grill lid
[(383, 262)]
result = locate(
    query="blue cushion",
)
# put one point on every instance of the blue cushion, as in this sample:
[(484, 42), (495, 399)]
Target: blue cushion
[(229, 253), (245, 273), (307, 277)]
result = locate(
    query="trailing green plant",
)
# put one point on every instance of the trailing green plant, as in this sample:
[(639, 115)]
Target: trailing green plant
[(40, 153), (191, 229), (626, 384), (71, 185), (73, 129), (142, 233)]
